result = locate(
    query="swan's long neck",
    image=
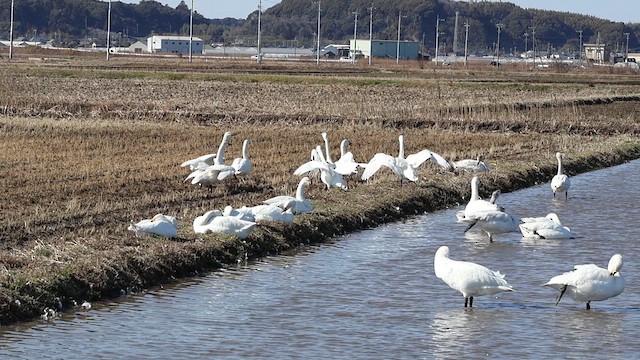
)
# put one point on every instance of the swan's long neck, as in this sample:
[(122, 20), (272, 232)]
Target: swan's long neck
[(320, 155), (245, 152), (343, 147), (220, 154), (300, 191), (401, 151), (474, 189), (326, 148), (559, 164)]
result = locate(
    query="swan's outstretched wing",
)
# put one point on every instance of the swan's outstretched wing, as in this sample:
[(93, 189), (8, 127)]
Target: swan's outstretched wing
[(376, 162), (193, 163), (440, 161), (346, 165), (311, 166)]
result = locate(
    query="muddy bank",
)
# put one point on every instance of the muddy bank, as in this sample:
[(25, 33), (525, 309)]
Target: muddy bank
[(130, 270)]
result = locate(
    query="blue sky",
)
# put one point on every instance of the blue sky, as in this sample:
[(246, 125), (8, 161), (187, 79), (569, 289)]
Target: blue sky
[(615, 10)]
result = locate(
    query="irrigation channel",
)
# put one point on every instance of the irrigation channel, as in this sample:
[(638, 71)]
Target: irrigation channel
[(374, 294)]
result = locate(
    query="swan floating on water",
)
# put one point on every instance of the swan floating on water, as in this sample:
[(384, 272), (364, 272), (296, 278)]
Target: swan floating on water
[(161, 225), (493, 222), (590, 282), (548, 227), (468, 278), (560, 183), (476, 204), (298, 204)]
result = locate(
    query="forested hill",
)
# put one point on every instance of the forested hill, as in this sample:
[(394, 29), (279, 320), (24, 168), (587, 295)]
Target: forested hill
[(296, 20)]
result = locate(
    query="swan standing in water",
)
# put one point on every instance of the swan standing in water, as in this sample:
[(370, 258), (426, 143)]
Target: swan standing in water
[(477, 165), (477, 204), (590, 282), (560, 182), (468, 278), (161, 225), (298, 204)]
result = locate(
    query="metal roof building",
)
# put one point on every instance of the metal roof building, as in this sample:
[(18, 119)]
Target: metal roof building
[(174, 44)]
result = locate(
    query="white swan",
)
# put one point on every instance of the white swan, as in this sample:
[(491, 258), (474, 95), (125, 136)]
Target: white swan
[(161, 225), (560, 183), (399, 165), (548, 227), (298, 204), (208, 159), (208, 175), (477, 165), (243, 213), (347, 165), (328, 175), (213, 221), (272, 213), (590, 282), (477, 204), (469, 278), (493, 222), (240, 167)]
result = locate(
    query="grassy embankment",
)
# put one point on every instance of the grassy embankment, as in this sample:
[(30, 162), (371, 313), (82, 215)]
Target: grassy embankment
[(87, 149)]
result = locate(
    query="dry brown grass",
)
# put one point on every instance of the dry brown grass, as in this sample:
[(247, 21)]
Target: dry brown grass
[(84, 152)]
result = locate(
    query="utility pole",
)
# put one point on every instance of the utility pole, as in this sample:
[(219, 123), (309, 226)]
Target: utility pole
[(580, 50), (370, 33), (398, 47), (318, 44), (455, 34), (11, 34), (259, 32), (499, 26), (191, 34), (108, 30), (437, 36), (355, 38), (626, 52), (466, 42), (526, 42), (533, 41)]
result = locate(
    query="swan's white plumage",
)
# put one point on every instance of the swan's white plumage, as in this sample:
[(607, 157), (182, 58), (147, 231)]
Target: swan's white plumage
[(560, 183), (469, 278), (213, 221), (298, 204), (347, 165), (471, 165), (243, 213), (161, 225), (493, 222), (328, 175), (590, 282), (477, 204), (271, 213), (207, 175), (548, 227), (399, 165)]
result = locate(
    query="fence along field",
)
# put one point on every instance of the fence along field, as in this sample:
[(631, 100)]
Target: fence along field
[(86, 151)]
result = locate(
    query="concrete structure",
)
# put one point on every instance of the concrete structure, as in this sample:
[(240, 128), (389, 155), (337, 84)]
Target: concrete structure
[(174, 44), (409, 50), (596, 52), (139, 47)]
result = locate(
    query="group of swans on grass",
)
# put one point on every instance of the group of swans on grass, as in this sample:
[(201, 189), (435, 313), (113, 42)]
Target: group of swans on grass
[(586, 283), (209, 169), (493, 220), (240, 222)]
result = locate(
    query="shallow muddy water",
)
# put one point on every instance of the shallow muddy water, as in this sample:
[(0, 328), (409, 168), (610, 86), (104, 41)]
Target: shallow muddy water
[(374, 294)]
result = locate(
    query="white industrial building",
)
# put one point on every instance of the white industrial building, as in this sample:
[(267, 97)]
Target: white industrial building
[(174, 44), (408, 50)]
